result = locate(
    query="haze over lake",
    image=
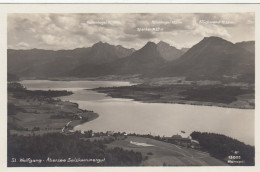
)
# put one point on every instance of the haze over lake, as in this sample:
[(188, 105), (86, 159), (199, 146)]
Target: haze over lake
[(154, 118)]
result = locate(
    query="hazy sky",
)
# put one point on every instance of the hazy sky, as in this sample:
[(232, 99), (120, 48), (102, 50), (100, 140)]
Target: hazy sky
[(69, 31)]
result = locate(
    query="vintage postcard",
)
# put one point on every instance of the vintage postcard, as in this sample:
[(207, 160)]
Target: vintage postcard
[(130, 85)]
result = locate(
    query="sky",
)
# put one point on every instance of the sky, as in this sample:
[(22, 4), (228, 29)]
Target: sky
[(69, 31)]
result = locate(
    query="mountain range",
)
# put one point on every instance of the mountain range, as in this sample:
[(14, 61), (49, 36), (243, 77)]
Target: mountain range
[(247, 45), (212, 58)]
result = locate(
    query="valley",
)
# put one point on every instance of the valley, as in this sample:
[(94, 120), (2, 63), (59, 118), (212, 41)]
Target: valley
[(83, 98)]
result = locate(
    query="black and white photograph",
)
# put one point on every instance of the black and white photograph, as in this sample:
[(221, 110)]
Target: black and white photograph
[(130, 89)]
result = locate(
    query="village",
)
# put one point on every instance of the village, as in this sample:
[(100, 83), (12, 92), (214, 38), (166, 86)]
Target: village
[(178, 139)]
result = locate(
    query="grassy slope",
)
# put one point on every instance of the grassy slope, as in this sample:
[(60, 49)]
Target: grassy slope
[(33, 112), (166, 154)]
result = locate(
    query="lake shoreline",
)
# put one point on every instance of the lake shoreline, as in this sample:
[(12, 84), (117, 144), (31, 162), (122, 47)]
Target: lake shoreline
[(75, 123), (117, 93), (32, 113), (148, 94), (194, 103), (116, 107), (61, 116)]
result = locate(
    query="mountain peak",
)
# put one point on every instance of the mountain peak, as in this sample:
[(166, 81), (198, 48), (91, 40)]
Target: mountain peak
[(150, 45), (119, 46), (215, 39), (247, 45), (213, 58), (163, 43), (168, 52), (100, 43)]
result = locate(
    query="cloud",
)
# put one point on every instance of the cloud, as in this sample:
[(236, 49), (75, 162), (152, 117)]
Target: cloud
[(22, 45), (207, 30), (49, 39), (69, 31), (228, 19)]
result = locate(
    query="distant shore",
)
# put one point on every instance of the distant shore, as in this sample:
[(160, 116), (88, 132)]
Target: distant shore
[(183, 102), (240, 100), (126, 78), (187, 94)]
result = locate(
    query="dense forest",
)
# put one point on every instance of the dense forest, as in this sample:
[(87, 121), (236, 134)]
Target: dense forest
[(219, 94), (21, 91), (12, 77), (179, 93), (64, 147), (221, 147)]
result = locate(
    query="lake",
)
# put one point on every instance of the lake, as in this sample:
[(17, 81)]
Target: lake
[(126, 115)]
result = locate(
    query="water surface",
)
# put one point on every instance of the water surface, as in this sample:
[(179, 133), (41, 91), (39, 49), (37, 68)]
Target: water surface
[(125, 115)]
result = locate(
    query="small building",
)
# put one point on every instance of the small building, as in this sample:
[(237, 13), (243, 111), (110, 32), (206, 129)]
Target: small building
[(179, 140), (195, 144), (110, 133), (177, 136), (77, 117)]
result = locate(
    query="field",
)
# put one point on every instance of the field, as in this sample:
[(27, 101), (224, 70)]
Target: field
[(35, 114), (162, 153)]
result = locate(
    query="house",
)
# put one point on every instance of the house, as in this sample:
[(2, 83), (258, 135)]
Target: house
[(195, 144), (77, 117), (110, 133), (179, 140)]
